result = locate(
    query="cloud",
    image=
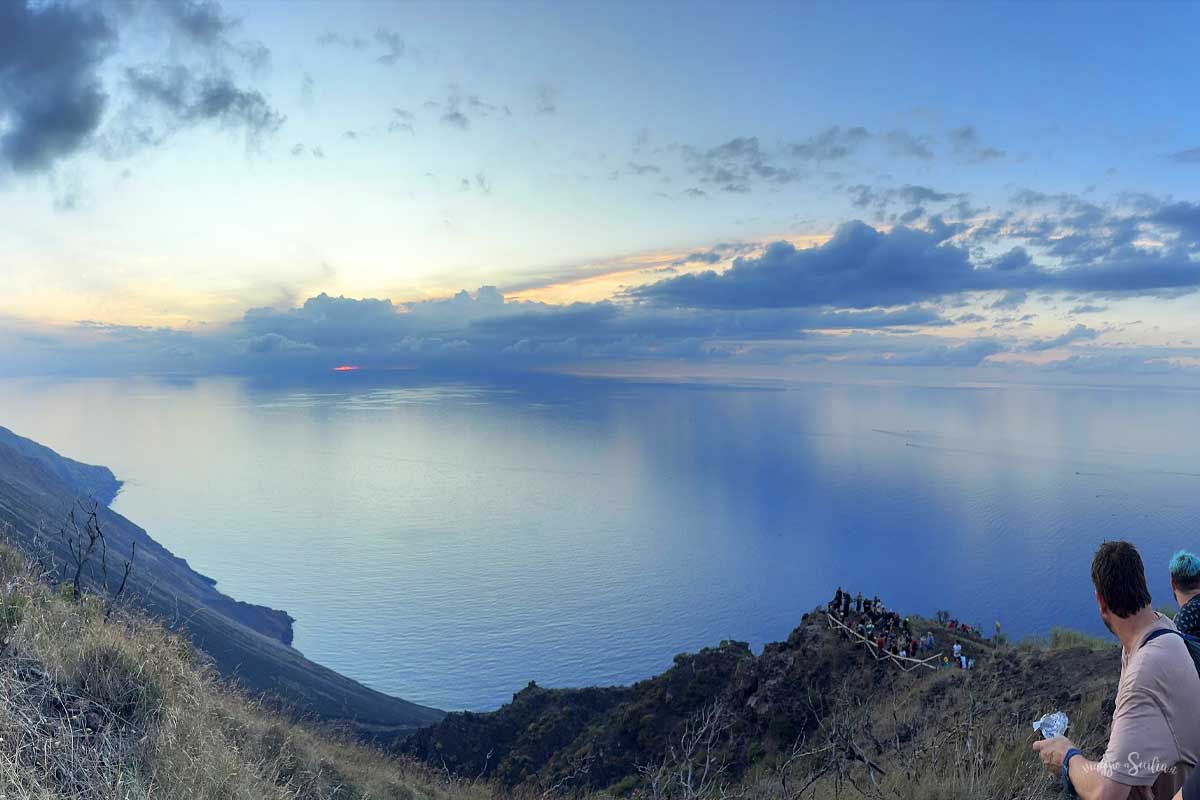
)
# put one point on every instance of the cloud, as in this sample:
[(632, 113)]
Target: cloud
[(644, 169), (1189, 156), (545, 100), (328, 38), (967, 147), (906, 145), (393, 46), (970, 354), (460, 109), (480, 183), (1016, 258), (57, 93), (735, 165), (484, 331), (913, 202), (402, 121), (859, 267), (1183, 218), (187, 99), (51, 95), (862, 267), (1013, 298), (1078, 333), (274, 343), (203, 24), (469, 331), (831, 144), (716, 253)]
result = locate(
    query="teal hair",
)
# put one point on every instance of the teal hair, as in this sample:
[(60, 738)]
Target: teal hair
[(1185, 565)]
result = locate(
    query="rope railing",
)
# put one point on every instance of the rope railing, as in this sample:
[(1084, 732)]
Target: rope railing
[(905, 663)]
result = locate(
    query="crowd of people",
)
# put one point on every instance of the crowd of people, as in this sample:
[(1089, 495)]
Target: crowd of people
[(890, 633), (1154, 738)]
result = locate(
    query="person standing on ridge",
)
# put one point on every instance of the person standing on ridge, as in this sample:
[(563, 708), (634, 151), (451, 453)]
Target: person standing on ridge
[(858, 603), (1154, 741), (1185, 583)]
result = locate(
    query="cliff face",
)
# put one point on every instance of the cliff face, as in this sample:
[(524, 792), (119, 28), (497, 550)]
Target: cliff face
[(249, 643), (816, 694)]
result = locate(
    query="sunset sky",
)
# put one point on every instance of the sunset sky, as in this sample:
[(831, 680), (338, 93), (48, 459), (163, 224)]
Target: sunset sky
[(194, 187)]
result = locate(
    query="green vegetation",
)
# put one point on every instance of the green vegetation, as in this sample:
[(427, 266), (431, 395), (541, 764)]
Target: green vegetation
[(1066, 638), (100, 704), (113, 706)]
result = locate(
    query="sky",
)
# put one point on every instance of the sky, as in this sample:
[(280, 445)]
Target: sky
[(1007, 190)]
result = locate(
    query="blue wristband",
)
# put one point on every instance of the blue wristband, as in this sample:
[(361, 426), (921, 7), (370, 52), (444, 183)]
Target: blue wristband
[(1066, 769)]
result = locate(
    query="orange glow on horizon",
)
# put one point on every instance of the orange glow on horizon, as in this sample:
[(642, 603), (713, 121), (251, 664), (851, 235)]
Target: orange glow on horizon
[(346, 368)]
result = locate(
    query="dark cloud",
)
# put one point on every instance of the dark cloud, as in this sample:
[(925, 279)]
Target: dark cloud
[(324, 322), (328, 38), (1102, 248), (459, 108), (644, 169), (1078, 333), (904, 144), (1189, 156), (967, 146), (545, 100), (205, 25), (714, 254), (859, 267), (402, 120), (1016, 258), (188, 99), (51, 96), (831, 144), (737, 164), (912, 203), (1088, 308), (1013, 298), (862, 267), (274, 343), (392, 44), (483, 330), (1183, 218), (201, 20), (970, 354)]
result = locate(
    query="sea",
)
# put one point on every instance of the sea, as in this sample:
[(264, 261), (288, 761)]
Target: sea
[(449, 540)]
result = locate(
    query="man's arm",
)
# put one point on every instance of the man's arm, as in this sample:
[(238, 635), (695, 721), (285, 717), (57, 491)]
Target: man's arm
[(1086, 776)]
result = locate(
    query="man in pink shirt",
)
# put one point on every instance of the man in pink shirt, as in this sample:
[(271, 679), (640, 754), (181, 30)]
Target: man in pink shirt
[(1155, 738)]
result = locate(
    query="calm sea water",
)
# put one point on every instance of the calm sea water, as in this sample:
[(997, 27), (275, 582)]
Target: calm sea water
[(449, 542)]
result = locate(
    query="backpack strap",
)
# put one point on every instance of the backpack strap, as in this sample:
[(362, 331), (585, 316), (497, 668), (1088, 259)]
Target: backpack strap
[(1154, 634)]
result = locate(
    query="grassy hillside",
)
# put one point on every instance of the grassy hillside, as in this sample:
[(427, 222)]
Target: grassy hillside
[(812, 717), (102, 702), (96, 705), (39, 488)]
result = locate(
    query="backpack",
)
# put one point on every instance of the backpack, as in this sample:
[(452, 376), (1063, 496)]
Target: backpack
[(1192, 643)]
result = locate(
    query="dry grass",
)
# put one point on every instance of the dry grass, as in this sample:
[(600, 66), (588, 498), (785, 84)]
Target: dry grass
[(1065, 638), (94, 707), (99, 707)]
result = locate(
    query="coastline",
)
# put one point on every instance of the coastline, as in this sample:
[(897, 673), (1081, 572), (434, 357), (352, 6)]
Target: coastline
[(248, 643)]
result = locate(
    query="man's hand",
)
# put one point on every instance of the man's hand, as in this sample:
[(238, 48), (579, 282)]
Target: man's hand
[(1052, 752)]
